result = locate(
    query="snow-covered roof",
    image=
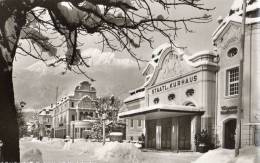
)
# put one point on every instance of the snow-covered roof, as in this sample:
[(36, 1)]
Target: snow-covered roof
[(171, 108), (157, 53), (236, 15), (116, 134), (156, 56), (200, 53), (160, 50), (135, 96), (190, 59), (237, 4)]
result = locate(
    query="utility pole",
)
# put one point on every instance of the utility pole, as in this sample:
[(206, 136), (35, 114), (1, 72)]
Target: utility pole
[(239, 110), (56, 102), (57, 91)]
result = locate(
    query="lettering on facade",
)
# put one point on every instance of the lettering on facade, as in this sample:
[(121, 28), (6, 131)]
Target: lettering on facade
[(228, 109), (175, 84)]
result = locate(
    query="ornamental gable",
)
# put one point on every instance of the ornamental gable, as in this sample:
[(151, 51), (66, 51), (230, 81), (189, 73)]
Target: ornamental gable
[(86, 102), (171, 65), (229, 36)]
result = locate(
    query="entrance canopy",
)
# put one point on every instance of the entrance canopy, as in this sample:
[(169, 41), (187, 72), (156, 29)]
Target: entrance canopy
[(160, 111)]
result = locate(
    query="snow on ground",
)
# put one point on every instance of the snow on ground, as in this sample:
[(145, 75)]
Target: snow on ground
[(56, 150), (116, 152), (247, 155)]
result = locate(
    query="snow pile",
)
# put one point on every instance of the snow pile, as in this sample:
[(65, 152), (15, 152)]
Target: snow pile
[(67, 145), (32, 155), (119, 152), (26, 139), (83, 147), (220, 156), (35, 140), (247, 155)]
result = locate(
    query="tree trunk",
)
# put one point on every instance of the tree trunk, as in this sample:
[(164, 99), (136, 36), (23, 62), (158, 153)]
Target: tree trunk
[(10, 27), (9, 131)]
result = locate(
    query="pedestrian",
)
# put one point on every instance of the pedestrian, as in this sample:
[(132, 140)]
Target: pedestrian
[(143, 140)]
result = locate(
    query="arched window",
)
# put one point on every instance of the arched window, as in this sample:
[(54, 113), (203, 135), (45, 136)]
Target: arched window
[(232, 52), (190, 92), (171, 97), (156, 100), (189, 104)]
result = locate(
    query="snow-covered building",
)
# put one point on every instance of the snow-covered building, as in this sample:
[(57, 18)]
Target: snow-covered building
[(176, 101), (45, 121), (75, 114), (227, 41), (183, 94)]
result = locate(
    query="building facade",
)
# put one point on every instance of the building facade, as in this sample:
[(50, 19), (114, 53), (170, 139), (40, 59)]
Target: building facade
[(176, 101), (183, 94), (45, 121), (135, 127), (227, 41), (74, 114)]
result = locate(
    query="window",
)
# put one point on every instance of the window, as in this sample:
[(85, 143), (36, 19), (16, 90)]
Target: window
[(139, 123), (131, 123), (171, 97), (73, 118), (232, 81), (189, 92), (72, 104), (232, 52), (190, 104), (156, 100)]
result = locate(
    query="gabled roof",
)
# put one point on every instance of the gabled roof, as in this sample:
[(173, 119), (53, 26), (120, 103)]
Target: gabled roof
[(236, 16), (46, 110), (135, 96), (158, 53)]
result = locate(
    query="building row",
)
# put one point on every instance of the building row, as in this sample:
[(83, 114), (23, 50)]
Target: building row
[(72, 115), (184, 94)]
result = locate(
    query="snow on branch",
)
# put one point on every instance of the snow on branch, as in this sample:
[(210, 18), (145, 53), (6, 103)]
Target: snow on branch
[(121, 24), (37, 38)]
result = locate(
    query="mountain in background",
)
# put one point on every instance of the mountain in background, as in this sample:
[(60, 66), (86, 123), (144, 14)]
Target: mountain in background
[(38, 89)]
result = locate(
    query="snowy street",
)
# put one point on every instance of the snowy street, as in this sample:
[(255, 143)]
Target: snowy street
[(54, 152), (57, 151)]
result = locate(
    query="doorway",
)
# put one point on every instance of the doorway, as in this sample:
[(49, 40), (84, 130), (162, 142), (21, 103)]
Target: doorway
[(166, 133), (229, 133), (151, 134), (184, 140)]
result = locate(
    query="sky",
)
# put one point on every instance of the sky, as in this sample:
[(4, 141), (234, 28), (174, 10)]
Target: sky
[(115, 73)]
